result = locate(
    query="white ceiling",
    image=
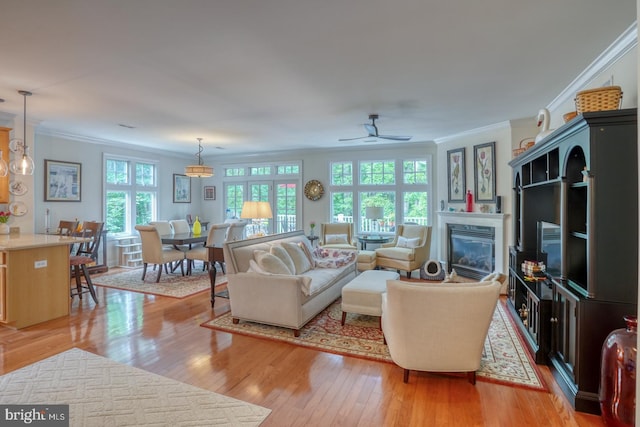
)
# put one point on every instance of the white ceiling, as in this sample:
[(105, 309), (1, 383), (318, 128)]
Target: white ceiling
[(262, 75)]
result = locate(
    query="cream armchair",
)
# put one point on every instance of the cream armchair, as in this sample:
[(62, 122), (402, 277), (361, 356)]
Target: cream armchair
[(338, 235), (409, 249), (438, 327)]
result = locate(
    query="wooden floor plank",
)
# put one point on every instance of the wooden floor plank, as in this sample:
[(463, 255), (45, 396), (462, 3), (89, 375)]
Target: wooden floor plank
[(300, 385)]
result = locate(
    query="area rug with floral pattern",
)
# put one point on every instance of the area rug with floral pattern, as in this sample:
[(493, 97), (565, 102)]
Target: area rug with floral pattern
[(171, 285), (505, 359)]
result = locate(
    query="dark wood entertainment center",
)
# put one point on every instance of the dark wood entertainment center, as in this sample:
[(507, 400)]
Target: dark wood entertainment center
[(584, 178)]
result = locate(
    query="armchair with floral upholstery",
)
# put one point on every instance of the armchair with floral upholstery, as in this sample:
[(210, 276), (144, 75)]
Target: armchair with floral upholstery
[(337, 235), (409, 249)]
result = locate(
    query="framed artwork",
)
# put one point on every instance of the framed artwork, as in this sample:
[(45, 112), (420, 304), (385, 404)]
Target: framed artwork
[(484, 156), (209, 192), (62, 181), (181, 188), (457, 175)]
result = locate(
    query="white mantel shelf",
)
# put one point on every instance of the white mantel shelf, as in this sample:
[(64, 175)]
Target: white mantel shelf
[(497, 221)]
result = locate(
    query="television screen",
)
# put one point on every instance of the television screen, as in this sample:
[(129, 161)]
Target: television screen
[(550, 247)]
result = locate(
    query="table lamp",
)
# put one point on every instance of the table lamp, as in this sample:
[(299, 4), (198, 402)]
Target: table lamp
[(374, 213), (256, 210)]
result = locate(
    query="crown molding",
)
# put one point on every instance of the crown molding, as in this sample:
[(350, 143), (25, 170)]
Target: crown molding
[(489, 128), (620, 47), (102, 141)]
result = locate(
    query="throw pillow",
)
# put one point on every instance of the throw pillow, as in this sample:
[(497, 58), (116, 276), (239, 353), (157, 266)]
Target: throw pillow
[(270, 263), (281, 253), (409, 243), (307, 252), (335, 239), (298, 256)]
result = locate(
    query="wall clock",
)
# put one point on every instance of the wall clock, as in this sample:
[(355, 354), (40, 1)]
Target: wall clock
[(313, 190)]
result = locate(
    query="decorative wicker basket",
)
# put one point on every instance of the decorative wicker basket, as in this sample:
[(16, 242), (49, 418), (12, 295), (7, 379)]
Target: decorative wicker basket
[(600, 99), (524, 145)]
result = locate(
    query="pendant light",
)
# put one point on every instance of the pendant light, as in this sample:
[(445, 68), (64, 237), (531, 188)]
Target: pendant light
[(200, 170), (4, 169), (24, 164)]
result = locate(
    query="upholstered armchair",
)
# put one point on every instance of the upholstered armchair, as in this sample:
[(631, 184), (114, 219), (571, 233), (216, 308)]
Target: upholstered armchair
[(338, 235), (438, 327), (409, 249)]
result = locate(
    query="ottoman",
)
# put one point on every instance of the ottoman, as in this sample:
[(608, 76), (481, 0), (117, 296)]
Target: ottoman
[(366, 260), (363, 295)]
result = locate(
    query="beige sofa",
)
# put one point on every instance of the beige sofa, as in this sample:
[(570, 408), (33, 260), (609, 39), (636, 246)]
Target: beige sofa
[(286, 300)]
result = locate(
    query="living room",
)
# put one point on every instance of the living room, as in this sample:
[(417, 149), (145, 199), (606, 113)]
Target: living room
[(617, 65)]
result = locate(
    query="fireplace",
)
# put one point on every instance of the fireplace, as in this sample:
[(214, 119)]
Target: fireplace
[(471, 250), (496, 221)]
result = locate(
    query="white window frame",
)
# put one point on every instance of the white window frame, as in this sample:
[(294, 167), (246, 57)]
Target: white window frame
[(130, 188)]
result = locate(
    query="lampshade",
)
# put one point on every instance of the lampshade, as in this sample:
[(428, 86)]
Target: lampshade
[(200, 170), (256, 210), (374, 212)]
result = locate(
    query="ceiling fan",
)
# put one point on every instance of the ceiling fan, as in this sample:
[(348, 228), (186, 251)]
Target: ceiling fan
[(372, 130)]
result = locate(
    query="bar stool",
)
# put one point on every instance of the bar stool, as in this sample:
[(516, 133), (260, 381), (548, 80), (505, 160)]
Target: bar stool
[(86, 254)]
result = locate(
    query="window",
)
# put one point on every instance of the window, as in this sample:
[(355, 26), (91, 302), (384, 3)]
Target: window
[(341, 173), (400, 187), (377, 173), (131, 192), (278, 184)]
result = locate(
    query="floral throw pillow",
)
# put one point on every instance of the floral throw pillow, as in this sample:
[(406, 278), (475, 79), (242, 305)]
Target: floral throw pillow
[(333, 258)]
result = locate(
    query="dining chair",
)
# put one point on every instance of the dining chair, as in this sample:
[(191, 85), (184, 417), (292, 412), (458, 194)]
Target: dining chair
[(236, 231), (86, 255), (180, 226), (154, 253), (216, 237), (67, 228)]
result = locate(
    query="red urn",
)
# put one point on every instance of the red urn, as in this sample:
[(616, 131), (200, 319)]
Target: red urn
[(469, 201)]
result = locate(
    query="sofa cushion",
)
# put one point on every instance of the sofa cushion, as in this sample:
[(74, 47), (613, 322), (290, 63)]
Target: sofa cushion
[(404, 254), (302, 263), (281, 253), (335, 239), (270, 263), (405, 242), (307, 252)]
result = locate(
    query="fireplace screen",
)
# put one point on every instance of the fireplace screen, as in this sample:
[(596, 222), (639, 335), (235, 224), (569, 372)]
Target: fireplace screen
[(471, 250)]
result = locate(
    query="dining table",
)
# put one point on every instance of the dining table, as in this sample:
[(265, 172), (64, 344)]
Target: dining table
[(215, 253)]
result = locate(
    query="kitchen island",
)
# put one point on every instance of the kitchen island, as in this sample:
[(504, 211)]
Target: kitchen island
[(34, 278)]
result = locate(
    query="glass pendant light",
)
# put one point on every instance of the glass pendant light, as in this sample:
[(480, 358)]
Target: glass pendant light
[(4, 169), (23, 165)]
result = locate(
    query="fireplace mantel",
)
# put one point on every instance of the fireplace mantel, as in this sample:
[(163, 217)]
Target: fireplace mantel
[(497, 221)]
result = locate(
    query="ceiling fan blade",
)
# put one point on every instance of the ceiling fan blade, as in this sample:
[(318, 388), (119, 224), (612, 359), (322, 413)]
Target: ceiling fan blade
[(371, 129), (353, 139), (395, 138)]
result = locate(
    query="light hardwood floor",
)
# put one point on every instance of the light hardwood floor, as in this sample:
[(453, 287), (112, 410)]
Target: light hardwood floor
[(302, 387)]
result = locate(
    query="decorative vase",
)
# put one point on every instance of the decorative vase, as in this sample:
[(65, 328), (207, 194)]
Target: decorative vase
[(197, 227), (469, 201), (4, 228), (618, 376), (311, 232)]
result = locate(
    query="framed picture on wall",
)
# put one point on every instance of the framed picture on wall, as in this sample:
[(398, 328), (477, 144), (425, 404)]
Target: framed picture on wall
[(209, 192), (457, 184), (181, 188), (62, 181), (484, 161)]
